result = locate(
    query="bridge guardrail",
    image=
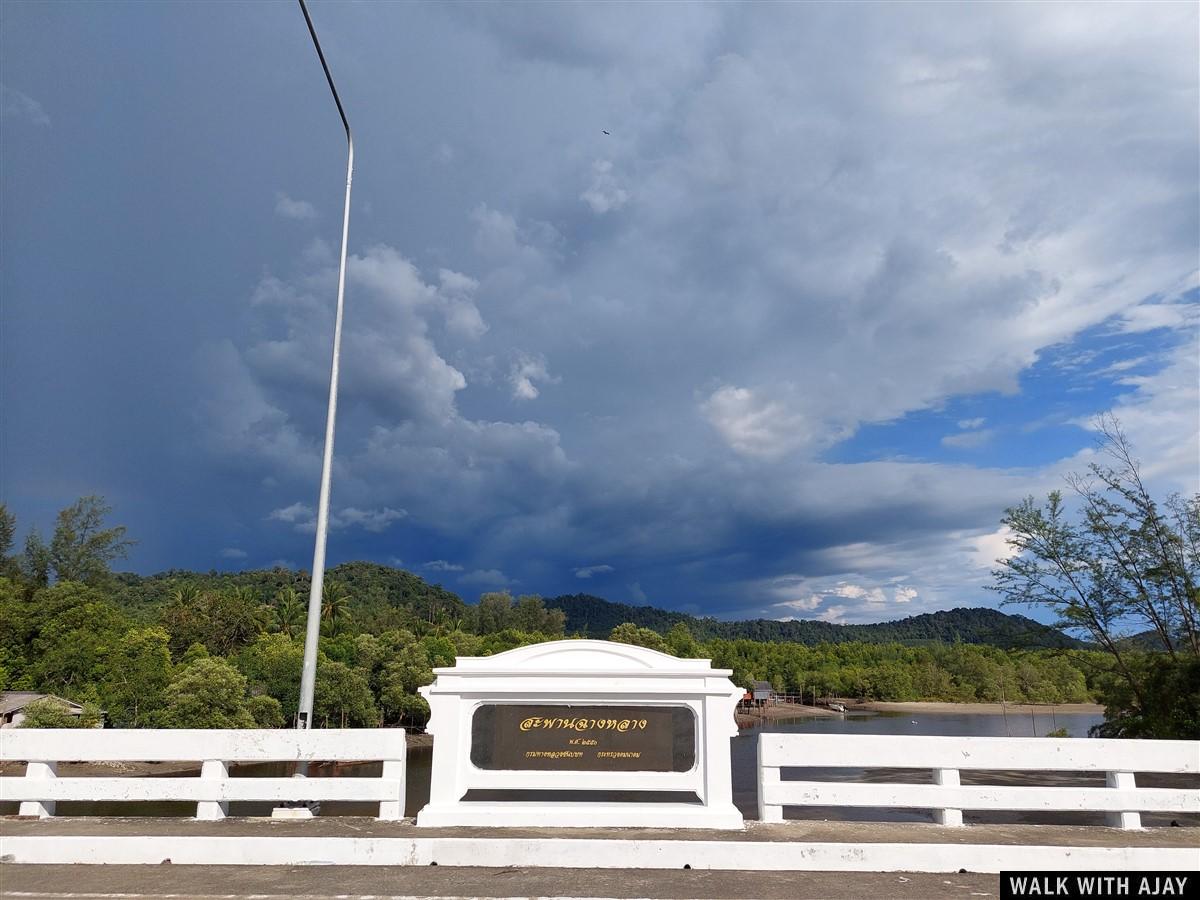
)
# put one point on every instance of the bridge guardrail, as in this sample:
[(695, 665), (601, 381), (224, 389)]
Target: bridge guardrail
[(213, 789), (1121, 799)]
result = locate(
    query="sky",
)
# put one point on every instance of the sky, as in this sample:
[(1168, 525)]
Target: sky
[(745, 310)]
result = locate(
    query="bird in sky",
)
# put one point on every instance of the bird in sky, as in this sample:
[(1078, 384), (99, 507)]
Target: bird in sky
[(606, 132)]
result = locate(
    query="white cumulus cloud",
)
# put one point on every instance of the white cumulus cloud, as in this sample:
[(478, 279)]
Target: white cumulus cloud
[(296, 210)]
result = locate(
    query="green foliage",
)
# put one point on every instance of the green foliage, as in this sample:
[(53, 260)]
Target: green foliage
[(412, 710), (194, 652), (628, 633), (266, 711), (681, 643), (1169, 707), (335, 608), (223, 621), (70, 649), (342, 697), (136, 673), (238, 660), (1122, 562), (272, 665), (50, 712), (35, 560), (498, 611), (288, 613), (207, 693), (401, 677), (8, 530), (82, 548)]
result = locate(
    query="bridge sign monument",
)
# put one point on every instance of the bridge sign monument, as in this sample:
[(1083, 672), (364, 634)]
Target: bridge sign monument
[(581, 734)]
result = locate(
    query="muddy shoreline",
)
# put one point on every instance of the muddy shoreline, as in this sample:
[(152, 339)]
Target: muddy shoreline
[(752, 717), (978, 708)]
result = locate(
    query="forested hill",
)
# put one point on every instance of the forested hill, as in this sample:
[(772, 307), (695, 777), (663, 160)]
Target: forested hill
[(596, 617), (380, 597)]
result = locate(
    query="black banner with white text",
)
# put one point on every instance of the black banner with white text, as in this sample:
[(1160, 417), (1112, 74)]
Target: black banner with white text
[(1020, 885)]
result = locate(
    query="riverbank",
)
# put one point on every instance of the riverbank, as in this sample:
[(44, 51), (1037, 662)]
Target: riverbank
[(752, 716), (977, 708)]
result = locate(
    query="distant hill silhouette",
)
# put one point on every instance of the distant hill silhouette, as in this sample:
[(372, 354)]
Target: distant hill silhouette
[(596, 617), (383, 597)]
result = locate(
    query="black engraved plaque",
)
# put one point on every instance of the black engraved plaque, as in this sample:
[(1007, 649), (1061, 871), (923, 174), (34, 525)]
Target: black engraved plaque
[(561, 737)]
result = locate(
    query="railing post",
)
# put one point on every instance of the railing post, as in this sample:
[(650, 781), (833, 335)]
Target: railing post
[(1122, 781), (39, 771), (392, 810), (949, 816), (768, 776), (214, 771)]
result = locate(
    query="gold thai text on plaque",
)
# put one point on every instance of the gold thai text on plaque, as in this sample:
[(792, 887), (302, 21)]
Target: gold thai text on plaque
[(595, 738)]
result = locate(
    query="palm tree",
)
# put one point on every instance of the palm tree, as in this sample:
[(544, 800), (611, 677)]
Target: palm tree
[(186, 595), (240, 615), (288, 612), (335, 607)]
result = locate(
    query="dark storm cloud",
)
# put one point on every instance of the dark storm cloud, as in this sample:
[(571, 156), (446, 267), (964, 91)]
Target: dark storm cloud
[(626, 355)]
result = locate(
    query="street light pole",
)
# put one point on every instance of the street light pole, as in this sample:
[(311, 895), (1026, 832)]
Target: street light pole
[(309, 675)]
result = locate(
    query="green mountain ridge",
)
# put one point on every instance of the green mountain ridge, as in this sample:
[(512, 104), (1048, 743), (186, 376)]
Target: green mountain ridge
[(384, 597), (595, 617)]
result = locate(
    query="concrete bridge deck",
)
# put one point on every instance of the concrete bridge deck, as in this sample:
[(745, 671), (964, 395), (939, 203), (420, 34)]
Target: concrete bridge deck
[(398, 861), (788, 846), (791, 831), (445, 883)]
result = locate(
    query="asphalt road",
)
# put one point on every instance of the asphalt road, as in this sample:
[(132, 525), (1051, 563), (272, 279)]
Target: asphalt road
[(170, 882)]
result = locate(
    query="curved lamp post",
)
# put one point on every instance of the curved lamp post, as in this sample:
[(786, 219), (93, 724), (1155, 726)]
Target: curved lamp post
[(309, 674)]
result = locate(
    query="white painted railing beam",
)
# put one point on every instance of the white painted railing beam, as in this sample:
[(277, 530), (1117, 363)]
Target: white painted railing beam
[(214, 789), (1121, 800)]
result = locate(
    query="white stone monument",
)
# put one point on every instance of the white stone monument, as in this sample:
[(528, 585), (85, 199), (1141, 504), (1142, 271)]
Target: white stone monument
[(581, 734)]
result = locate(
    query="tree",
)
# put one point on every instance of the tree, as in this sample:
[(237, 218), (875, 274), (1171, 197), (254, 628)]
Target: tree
[(681, 643), (208, 693), (1146, 564), (494, 612), (1056, 567), (1125, 564), (335, 607), (35, 561), (288, 612), (224, 621), (272, 664), (530, 614), (342, 697), (70, 649), (628, 633), (136, 674), (400, 678), (8, 533), (82, 547), (266, 711), (50, 712), (411, 709)]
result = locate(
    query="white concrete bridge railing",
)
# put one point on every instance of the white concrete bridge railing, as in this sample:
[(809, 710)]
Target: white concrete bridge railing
[(1121, 800), (215, 750)]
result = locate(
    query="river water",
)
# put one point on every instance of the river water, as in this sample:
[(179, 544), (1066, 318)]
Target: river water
[(744, 763)]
